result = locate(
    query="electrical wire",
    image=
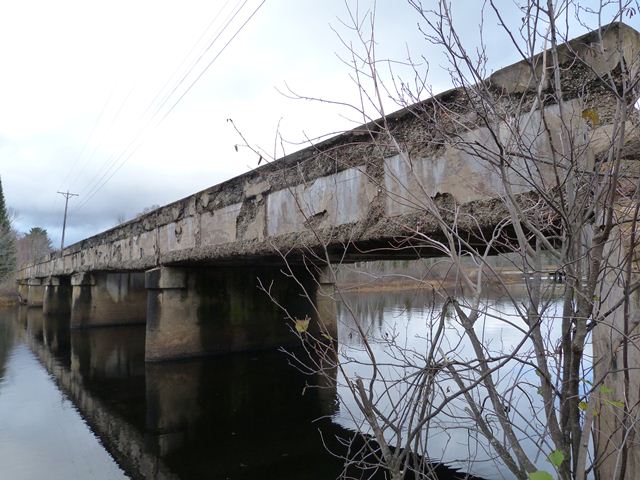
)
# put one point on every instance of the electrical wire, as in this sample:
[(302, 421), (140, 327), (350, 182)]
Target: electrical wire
[(212, 61), (193, 47), (95, 148), (139, 138), (86, 142), (95, 183)]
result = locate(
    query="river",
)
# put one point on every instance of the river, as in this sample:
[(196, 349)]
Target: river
[(82, 404)]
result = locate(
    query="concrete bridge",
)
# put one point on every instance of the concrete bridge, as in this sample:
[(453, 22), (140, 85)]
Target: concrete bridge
[(191, 270)]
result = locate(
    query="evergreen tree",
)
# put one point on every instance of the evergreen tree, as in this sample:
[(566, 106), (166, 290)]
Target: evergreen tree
[(36, 243), (7, 241)]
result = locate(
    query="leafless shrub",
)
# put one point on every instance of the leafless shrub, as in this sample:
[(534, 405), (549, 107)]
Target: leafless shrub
[(555, 142)]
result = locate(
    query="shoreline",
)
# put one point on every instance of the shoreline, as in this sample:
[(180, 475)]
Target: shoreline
[(393, 285), (8, 301)]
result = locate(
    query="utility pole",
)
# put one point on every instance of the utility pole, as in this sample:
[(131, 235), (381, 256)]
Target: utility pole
[(66, 196)]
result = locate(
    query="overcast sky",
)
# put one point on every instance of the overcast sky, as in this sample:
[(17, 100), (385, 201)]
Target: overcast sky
[(103, 98)]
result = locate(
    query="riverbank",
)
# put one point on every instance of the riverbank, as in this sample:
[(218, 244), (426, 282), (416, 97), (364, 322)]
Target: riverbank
[(8, 293), (7, 300), (395, 284)]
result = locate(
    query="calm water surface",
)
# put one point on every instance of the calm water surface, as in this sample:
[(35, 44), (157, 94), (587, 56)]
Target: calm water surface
[(42, 435), (83, 404)]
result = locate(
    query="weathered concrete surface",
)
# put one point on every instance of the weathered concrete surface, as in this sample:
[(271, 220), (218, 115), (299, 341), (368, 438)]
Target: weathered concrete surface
[(349, 193), (609, 357), (56, 295), (194, 312), (35, 292), (107, 298), (354, 189)]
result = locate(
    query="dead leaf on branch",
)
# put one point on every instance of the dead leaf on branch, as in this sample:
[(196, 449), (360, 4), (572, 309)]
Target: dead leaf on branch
[(302, 325), (591, 115)]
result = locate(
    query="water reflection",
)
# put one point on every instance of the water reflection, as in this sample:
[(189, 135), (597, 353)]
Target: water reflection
[(238, 416), (7, 340), (399, 328), (57, 338), (41, 433)]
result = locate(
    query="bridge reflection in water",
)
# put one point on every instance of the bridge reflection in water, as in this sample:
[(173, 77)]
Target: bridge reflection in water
[(235, 416)]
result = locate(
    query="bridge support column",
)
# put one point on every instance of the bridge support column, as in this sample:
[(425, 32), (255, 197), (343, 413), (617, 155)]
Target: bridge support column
[(609, 363), (57, 295), (326, 304), (106, 298), (35, 293), (193, 312)]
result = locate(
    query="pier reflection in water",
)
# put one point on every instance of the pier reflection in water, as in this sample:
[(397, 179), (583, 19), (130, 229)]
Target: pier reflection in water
[(234, 416), (42, 435)]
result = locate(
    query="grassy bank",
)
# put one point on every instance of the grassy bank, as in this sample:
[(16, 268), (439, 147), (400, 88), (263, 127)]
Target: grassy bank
[(8, 301), (396, 284), (8, 292)]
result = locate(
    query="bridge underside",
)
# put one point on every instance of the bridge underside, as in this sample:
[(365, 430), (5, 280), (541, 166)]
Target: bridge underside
[(195, 310)]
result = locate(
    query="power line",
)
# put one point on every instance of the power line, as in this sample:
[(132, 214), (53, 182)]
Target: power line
[(95, 179), (143, 130), (212, 61), (200, 57), (112, 162), (108, 165), (99, 143), (184, 59), (86, 143)]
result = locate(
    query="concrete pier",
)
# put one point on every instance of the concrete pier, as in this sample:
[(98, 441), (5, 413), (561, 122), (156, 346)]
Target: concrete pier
[(610, 362), (325, 304), (357, 197), (194, 312), (57, 295), (107, 298), (35, 292)]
